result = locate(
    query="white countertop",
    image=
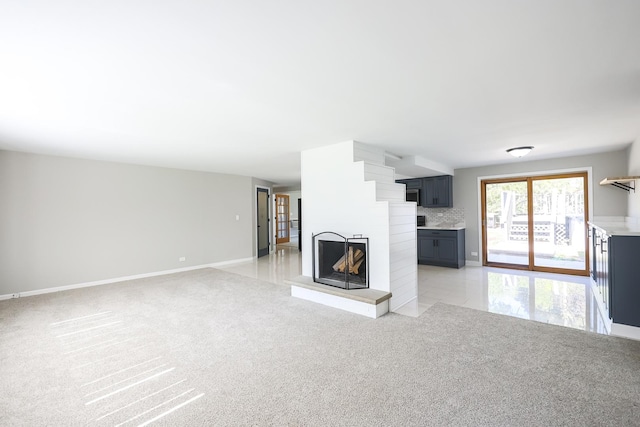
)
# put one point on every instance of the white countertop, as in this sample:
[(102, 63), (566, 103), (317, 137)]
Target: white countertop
[(441, 227), (617, 228)]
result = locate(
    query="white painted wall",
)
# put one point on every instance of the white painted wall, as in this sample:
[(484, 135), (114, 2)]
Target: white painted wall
[(68, 221), (403, 253), (338, 197), (293, 203)]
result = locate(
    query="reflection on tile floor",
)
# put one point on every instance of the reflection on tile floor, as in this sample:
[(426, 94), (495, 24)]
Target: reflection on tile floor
[(557, 299), (550, 298), (284, 263)]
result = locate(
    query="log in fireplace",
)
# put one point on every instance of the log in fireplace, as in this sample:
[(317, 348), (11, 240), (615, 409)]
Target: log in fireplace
[(340, 261)]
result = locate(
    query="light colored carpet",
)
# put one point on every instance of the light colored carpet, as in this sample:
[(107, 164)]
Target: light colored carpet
[(209, 347)]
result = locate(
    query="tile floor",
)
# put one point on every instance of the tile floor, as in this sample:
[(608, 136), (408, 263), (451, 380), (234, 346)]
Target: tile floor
[(284, 263), (550, 298)]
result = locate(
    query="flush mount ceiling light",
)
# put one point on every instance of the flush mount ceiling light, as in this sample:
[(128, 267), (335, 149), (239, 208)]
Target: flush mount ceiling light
[(519, 151)]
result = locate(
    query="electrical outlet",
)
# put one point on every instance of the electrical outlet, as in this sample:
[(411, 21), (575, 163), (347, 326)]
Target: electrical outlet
[(15, 295), (440, 214), (474, 253), (237, 217), (182, 259)]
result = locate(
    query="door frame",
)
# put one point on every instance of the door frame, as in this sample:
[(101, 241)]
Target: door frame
[(255, 225), (535, 174), (280, 240), (483, 239)]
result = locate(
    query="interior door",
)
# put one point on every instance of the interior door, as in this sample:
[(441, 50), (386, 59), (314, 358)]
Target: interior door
[(262, 217), (282, 218), (536, 223)]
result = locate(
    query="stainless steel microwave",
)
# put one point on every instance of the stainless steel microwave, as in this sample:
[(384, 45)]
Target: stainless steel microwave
[(413, 196)]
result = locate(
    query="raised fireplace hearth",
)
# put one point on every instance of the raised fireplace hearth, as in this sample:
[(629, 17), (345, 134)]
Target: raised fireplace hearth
[(340, 261)]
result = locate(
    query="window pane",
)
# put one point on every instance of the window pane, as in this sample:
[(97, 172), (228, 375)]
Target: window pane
[(559, 223), (507, 223)]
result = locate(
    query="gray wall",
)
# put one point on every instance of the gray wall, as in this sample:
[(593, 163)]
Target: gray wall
[(287, 189), (634, 170), (67, 221), (606, 200)]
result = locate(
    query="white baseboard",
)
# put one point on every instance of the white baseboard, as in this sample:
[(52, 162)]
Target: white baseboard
[(625, 331), (233, 261), (473, 263), (404, 304), (119, 279)]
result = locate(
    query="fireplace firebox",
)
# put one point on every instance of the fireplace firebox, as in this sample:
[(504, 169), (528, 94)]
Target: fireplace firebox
[(340, 261)]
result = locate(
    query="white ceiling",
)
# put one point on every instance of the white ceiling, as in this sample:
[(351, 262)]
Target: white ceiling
[(242, 86)]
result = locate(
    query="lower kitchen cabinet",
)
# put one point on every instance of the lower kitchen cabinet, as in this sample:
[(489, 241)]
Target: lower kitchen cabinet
[(615, 271), (441, 247), (599, 266)]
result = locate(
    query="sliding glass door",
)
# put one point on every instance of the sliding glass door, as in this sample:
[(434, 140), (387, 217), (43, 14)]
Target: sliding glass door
[(506, 222), (559, 208), (536, 223)]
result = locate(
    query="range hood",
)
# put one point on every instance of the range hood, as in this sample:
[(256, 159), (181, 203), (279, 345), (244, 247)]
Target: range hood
[(627, 183)]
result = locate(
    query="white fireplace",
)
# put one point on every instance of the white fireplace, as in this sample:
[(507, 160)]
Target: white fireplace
[(347, 189)]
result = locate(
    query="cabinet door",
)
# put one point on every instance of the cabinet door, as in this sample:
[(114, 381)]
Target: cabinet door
[(624, 270), (443, 190), (429, 196), (447, 250), (598, 255), (604, 248), (592, 252), (437, 192), (414, 184), (427, 249)]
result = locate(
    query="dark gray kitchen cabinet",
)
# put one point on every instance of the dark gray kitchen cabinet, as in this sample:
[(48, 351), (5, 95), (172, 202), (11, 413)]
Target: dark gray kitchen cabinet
[(426, 250), (441, 247), (615, 271), (601, 271), (413, 188), (623, 272), (437, 191), (413, 184)]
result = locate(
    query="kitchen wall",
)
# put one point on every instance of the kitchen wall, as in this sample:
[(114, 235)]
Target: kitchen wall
[(606, 200), (436, 216), (68, 221), (633, 156)]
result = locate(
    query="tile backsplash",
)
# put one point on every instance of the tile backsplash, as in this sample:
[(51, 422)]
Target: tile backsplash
[(436, 216)]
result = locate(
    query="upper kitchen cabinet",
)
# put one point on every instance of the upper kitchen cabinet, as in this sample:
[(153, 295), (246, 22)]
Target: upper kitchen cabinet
[(430, 192), (437, 191), (412, 184), (414, 189)]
